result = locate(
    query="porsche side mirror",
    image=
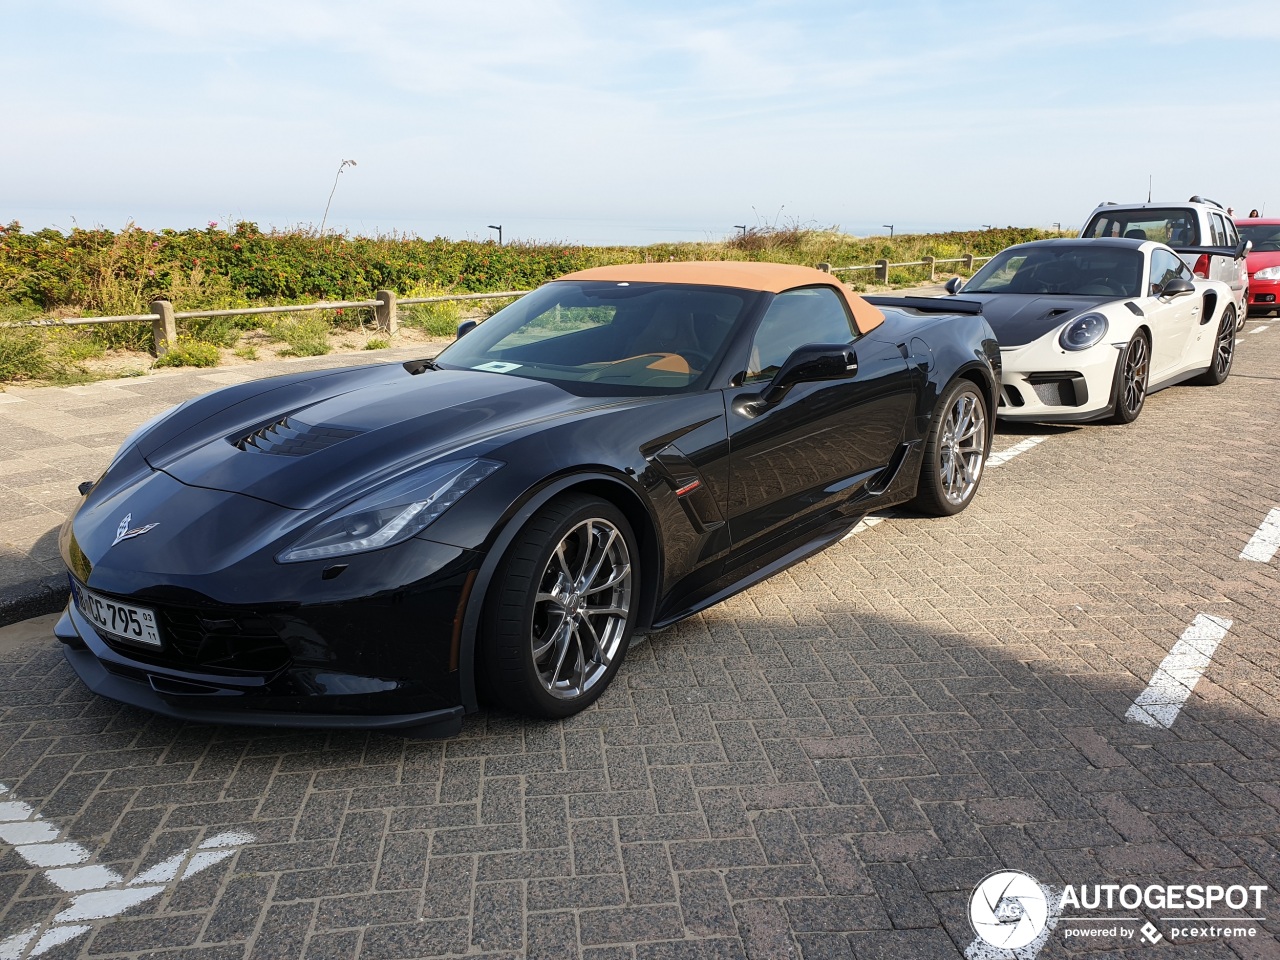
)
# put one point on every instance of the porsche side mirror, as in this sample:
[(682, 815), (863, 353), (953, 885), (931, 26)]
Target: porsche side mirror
[(465, 327), (1177, 287), (812, 362), (954, 286)]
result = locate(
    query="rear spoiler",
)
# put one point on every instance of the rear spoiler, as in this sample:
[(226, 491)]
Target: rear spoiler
[(1234, 253), (930, 304)]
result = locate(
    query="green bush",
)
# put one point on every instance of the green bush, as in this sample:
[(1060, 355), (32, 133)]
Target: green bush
[(189, 353), (22, 354), (307, 334), (377, 343), (75, 346), (437, 319)]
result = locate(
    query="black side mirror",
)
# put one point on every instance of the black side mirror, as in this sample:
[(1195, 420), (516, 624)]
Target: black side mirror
[(465, 327), (812, 362), (954, 286), (1243, 248), (1177, 287)]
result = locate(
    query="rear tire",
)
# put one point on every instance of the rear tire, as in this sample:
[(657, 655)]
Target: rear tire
[(1129, 389), (955, 453), (1224, 350), (560, 613)]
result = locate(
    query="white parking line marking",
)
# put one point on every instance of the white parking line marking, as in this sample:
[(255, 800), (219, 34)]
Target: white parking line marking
[(1259, 329), (870, 520), (1178, 673), (1264, 543), (981, 950), (101, 893), (1004, 456)]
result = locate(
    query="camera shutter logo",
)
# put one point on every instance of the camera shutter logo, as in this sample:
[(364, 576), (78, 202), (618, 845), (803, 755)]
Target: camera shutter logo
[(1008, 909)]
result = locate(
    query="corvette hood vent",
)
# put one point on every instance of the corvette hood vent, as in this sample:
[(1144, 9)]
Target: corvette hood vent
[(290, 437)]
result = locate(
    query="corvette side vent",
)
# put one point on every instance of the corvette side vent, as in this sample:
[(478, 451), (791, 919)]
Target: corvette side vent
[(292, 438)]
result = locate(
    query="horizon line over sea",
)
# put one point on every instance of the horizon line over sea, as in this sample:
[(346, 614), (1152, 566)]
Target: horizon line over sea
[(576, 231)]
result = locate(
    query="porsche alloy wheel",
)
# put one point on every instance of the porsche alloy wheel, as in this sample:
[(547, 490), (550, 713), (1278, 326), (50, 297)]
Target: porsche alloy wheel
[(1132, 372), (566, 597), (955, 453), (1224, 350)]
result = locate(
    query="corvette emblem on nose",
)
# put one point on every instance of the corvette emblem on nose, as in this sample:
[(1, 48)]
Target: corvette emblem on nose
[(124, 533)]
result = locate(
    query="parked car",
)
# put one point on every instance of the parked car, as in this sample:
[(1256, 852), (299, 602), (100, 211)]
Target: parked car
[(380, 546), (1089, 328), (1200, 230), (1264, 263)]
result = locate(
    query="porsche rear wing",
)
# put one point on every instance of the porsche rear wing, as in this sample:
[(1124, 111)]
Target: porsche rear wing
[(929, 304)]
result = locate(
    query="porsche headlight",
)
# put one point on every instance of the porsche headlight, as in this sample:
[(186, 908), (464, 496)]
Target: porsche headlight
[(1083, 332), (1268, 273), (392, 513)]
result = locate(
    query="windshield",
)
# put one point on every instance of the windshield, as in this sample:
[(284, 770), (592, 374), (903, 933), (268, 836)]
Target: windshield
[(1084, 270), (1265, 236), (1175, 226), (609, 337)]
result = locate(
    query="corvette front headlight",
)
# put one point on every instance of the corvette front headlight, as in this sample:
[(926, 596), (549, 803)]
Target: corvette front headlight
[(1268, 273), (1083, 332), (391, 514)]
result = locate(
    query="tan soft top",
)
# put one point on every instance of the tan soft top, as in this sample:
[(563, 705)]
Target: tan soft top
[(768, 277)]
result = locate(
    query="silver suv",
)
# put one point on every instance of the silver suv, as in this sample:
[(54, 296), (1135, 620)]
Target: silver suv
[(1199, 230)]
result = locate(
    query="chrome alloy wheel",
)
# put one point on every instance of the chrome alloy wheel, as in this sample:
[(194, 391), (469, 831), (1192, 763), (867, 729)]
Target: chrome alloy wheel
[(1133, 386), (581, 609), (962, 448), (1225, 349)]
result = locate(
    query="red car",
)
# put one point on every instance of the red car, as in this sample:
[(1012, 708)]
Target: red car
[(1264, 263)]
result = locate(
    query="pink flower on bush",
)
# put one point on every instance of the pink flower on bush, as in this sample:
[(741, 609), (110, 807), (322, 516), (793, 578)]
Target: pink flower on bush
[(212, 224)]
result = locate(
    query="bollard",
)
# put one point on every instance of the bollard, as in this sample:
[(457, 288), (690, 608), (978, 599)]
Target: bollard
[(882, 271), (164, 327), (968, 263), (928, 262), (385, 313)]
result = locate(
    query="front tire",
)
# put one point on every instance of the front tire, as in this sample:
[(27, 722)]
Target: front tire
[(562, 608), (955, 453), (1224, 350), (1133, 371)]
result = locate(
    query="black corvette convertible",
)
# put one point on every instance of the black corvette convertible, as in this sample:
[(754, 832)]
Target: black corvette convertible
[(389, 546)]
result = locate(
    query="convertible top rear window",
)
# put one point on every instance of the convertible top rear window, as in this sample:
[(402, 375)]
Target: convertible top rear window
[(1084, 270), (607, 337)]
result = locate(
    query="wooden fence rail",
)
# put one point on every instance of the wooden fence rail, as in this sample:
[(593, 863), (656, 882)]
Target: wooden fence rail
[(881, 267), (386, 304)]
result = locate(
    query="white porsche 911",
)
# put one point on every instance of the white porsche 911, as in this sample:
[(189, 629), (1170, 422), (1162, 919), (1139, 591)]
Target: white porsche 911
[(1088, 328)]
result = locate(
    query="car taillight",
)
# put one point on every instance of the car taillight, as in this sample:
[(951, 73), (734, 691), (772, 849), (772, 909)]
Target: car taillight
[(1201, 269)]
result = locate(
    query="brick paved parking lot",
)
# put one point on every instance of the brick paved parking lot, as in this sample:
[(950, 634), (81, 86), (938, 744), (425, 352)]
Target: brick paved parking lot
[(824, 766)]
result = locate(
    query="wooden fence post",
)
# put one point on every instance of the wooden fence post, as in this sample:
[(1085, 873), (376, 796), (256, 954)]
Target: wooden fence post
[(882, 271), (928, 262), (164, 327), (968, 263), (385, 313)]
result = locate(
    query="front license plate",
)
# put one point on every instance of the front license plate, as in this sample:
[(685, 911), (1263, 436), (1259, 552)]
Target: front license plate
[(121, 619)]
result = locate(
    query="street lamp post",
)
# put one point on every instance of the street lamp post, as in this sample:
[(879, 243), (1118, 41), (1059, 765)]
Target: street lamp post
[(986, 226), (498, 227), (742, 227), (889, 226)]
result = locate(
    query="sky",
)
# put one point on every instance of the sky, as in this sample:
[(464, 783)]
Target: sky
[(625, 122)]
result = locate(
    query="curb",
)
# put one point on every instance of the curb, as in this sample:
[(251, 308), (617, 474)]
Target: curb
[(33, 598)]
